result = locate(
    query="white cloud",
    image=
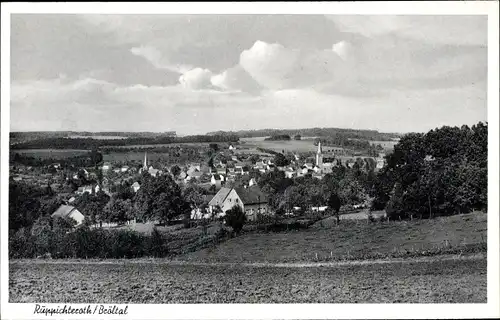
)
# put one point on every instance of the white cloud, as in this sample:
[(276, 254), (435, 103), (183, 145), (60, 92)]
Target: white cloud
[(158, 60), (235, 78), (297, 74), (196, 79), (343, 49), (276, 67), (365, 67), (436, 29)]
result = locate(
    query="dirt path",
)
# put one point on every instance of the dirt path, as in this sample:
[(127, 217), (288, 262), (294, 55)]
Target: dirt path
[(331, 264)]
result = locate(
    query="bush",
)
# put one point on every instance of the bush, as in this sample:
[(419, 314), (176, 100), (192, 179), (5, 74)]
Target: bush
[(235, 218), (84, 242), (157, 244), (21, 244)]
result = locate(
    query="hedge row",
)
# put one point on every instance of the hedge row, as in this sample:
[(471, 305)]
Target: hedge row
[(86, 243)]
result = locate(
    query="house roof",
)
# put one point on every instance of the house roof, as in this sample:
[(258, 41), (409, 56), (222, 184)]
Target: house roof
[(251, 195), (63, 211), (196, 174), (219, 198)]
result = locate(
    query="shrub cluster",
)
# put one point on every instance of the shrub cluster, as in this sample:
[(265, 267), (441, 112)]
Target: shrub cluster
[(86, 243)]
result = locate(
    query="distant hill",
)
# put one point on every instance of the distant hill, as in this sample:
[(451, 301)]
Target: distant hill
[(25, 136), (313, 132)]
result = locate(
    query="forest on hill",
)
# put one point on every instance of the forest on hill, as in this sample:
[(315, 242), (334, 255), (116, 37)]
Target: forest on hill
[(313, 132), (89, 143)]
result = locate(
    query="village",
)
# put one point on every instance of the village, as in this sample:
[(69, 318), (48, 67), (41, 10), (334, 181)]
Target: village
[(229, 178)]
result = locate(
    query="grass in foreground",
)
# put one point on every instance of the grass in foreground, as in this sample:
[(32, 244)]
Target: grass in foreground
[(455, 281), (354, 240)]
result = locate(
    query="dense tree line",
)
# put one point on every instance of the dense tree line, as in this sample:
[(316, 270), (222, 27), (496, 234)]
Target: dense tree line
[(312, 132), (278, 137), (350, 185), (444, 171), (34, 135), (85, 160), (90, 143)]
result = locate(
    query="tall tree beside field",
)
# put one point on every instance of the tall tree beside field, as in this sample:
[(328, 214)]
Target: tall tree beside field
[(24, 204), (193, 195), (441, 172), (335, 203), (118, 210), (235, 218), (160, 199)]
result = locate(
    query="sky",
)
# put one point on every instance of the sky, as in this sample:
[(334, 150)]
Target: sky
[(199, 73)]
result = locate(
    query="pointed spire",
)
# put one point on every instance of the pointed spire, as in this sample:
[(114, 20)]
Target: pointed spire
[(145, 166), (320, 150)]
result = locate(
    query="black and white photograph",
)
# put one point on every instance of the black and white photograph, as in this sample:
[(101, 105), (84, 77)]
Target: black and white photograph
[(247, 158)]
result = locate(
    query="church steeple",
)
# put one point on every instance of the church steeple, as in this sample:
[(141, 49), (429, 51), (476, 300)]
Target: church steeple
[(319, 156), (145, 165)]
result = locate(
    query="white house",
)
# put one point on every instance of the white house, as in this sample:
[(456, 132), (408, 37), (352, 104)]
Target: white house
[(88, 189), (106, 166), (252, 182), (136, 186), (154, 172), (309, 165), (125, 168), (290, 174), (217, 180), (69, 212), (251, 200)]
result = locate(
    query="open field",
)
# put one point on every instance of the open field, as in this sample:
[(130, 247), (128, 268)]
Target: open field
[(438, 281), (387, 145), (120, 157), (169, 145), (278, 146), (352, 239)]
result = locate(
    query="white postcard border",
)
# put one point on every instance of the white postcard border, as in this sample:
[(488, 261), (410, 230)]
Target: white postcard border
[(274, 311)]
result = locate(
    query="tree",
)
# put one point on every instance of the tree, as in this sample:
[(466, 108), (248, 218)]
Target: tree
[(395, 205), (335, 203), (254, 158), (124, 192), (235, 218), (175, 170), (193, 194), (214, 147), (280, 160), (92, 206), (118, 210), (161, 199), (441, 172), (24, 204)]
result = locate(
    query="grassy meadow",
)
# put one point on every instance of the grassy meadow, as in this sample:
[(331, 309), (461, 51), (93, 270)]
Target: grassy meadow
[(353, 239), (264, 267), (305, 145)]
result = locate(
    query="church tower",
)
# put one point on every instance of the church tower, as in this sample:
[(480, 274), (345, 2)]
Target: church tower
[(319, 156), (145, 165)]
